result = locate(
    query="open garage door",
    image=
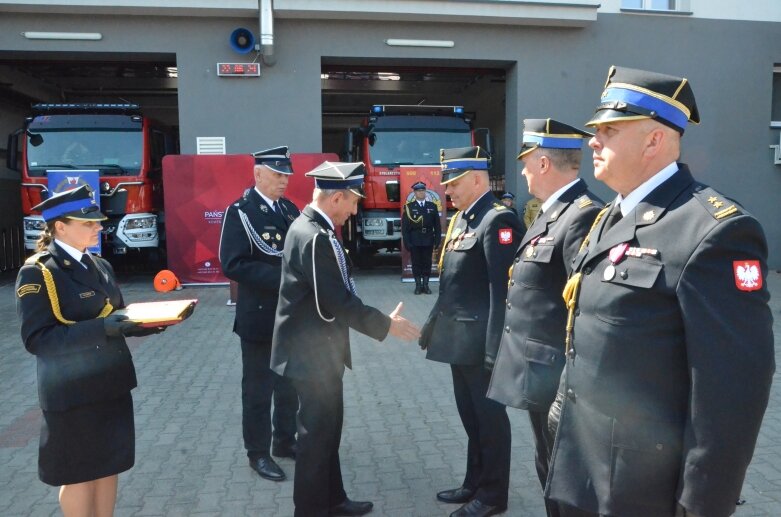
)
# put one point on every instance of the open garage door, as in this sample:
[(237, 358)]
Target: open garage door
[(395, 117), (108, 114), (350, 89), (149, 80)]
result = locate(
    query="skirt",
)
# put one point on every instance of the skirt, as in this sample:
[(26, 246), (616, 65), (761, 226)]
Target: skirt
[(87, 442)]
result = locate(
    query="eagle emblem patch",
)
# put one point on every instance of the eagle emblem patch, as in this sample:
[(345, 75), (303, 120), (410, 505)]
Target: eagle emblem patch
[(748, 275), (505, 236)]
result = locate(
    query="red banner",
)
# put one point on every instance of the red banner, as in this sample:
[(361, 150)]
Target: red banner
[(428, 174), (197, 189)]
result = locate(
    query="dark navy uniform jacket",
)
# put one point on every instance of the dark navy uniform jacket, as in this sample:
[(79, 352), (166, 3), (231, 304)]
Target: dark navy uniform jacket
[(250, 254), (77, 364), (531, 353), (423, 228), (672, 358), (465, 324), (316, 309)]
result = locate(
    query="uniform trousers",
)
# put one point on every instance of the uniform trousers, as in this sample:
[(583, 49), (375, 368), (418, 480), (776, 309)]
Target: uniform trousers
[(543, 443), (258, 384), (420, 257), (488, 429), (318, 480)]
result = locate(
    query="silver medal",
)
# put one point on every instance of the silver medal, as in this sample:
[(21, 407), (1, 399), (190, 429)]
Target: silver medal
[(610, 272)]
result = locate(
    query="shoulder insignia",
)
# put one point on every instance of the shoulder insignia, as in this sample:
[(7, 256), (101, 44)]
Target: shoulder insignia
[(584, 201), (499, 207), (28, 289), (717, 205), (32, 259)]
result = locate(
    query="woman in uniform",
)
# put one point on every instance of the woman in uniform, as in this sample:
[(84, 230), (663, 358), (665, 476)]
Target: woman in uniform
[(65, 298)]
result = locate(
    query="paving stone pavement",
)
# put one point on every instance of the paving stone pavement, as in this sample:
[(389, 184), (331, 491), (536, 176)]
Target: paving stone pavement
[(402, 440)]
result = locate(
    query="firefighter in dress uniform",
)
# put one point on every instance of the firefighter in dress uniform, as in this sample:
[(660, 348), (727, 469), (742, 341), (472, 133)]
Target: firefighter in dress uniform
[(465, 324), (669, 345), (508, 200), (422, 231), (65, 298), (531, 354), (251, 244), (318, 305)]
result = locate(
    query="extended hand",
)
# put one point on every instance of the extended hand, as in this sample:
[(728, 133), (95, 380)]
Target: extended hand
[(401, 327)]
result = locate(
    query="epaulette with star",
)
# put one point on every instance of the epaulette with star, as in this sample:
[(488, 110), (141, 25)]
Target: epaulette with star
[(717, 205), (499, 207), (32, 259), (584, 201)]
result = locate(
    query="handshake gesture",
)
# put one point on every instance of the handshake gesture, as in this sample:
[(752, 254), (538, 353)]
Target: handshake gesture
[(401, 327)]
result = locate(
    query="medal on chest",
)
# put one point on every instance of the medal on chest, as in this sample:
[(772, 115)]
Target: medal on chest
[(532, 244), (615, 256)]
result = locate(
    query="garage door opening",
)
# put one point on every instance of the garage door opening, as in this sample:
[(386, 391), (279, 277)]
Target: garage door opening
[(392, 116), (103, 119)]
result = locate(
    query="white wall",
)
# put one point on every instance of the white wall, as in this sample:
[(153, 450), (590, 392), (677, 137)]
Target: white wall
[(753, 10)]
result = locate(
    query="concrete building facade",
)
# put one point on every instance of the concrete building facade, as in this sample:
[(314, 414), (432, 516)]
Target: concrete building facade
[(546, 58)]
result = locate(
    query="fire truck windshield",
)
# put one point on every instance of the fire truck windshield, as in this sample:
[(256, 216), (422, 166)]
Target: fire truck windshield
[(112, 152), (414, 147)]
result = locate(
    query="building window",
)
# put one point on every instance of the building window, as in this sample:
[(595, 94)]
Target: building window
[(775, 108), (651, 5)]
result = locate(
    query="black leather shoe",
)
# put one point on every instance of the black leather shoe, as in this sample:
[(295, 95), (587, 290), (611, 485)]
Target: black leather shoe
[(418, 289), (458, 495), (284, 451), (426, 290), (348, 507), (475, 508), (267, 468)]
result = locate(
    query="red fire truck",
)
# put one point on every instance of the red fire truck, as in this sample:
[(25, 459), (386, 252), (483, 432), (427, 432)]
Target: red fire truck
[(391, 137), (125, 147)]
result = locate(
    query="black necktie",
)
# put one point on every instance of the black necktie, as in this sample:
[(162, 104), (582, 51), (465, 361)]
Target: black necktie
[(613, 218), (277, 209), (90, 264)]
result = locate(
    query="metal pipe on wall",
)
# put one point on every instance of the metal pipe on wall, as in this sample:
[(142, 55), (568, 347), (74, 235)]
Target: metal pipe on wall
[(266, 12)]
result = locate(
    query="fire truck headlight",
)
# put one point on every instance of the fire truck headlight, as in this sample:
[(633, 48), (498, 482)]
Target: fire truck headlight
[(140, 223), (34, 225)]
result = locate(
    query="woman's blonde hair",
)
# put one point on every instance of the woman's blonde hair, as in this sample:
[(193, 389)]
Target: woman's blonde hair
[(47, 236)]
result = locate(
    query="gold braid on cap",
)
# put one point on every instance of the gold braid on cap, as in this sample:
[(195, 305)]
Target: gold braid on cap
[(51, 290), (457, 215), (572, 288)]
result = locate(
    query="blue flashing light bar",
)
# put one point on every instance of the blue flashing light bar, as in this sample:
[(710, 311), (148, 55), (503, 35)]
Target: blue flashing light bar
[(376, 109), (85, 106), (458, 110)]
